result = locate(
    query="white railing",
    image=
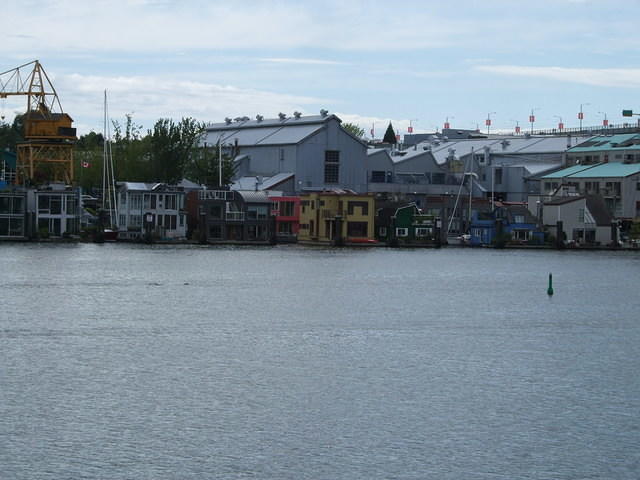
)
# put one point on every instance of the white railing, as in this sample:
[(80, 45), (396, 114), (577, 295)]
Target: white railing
[(215, 195), (235, 216)]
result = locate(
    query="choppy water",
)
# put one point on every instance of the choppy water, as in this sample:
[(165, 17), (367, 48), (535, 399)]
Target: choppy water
[(137, 362)]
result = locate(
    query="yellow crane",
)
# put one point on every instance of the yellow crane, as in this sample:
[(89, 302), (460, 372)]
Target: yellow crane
[(46, 154)]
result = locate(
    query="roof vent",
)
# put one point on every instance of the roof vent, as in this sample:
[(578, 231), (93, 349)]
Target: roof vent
[(505, 143), (282, 116), (259, 118), (238, 119), (297, 115), (245, 118), (324, 113), (227, 120), (426, 148), (445, 138)]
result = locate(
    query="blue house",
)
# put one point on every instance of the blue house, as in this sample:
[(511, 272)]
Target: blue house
[(517, 224)]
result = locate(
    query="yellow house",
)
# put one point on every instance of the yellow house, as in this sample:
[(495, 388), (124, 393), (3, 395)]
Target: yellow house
[(337, 217)]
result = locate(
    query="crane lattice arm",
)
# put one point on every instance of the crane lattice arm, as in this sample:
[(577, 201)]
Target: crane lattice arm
[(32, 81)]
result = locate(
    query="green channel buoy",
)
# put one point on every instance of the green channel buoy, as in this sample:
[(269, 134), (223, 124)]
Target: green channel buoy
[(550, 289)]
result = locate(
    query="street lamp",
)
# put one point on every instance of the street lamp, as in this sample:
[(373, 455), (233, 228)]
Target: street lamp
[(560, 124), (532, 118), (517, 128), (487, 122), (605, 122), (581, 114)]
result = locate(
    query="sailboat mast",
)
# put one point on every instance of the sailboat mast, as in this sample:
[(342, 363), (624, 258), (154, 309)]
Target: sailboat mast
[(109, 196)]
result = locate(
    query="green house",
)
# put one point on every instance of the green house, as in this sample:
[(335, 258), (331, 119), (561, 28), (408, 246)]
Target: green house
[(405, 225)]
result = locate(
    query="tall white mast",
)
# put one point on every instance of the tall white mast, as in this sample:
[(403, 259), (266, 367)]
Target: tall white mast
[(109, 194)]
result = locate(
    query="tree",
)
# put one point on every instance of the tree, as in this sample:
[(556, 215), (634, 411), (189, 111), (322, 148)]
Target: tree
[(10, 135), (390, 135), (203, 167), (172, 145), (353, 129)]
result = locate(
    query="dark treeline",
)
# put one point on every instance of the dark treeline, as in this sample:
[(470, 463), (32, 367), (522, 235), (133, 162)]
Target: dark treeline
[(167, 153)]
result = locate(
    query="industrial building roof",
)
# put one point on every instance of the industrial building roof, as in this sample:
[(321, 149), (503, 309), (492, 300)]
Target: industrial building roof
[(565, 172), (265, 183), (629, 141), (608, 170), (274, 131)]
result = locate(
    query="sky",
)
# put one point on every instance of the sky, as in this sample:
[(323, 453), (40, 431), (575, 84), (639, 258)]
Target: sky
[(414, 63)]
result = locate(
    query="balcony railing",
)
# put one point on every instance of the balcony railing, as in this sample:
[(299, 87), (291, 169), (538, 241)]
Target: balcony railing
[(234, 216), (215, 195)]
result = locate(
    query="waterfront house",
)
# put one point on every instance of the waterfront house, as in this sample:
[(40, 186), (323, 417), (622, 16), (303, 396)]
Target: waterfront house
[(234, 216), (508, 223), (406, 224), (583, 220), (337, 217), (13, 214), (155, 209), (286, 211), (56, 210)]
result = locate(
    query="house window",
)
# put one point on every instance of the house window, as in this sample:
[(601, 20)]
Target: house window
[(364, 207), (122, 220), (581, 215), (215, 231), (518, 218), (437, 178), (287, 209), (423, 232), (498, 175), (331, 166), (216, 211), (285, 228), (638, 186), (136, 202), (521, 235), (170, 202), (256, 212), (402, 232), (378, 176), (357, 229)]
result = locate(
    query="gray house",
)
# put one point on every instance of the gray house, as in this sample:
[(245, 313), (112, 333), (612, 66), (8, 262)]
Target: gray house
[(234, 216), (315, 149)]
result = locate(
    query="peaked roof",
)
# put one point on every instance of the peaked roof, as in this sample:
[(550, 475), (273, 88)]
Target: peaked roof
[(269, 131), (599, 143)]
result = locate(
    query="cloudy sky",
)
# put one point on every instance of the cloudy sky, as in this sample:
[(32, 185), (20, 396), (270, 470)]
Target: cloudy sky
[(367, 61)]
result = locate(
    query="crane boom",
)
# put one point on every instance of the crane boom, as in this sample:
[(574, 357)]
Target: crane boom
[(47, 152)]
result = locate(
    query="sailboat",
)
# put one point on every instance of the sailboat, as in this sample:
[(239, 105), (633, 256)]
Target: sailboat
[(109, 194)]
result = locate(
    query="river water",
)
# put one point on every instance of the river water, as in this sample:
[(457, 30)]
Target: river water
[(189, 362)]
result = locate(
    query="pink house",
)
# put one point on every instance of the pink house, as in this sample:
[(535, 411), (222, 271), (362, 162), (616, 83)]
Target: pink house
[(286, 210)]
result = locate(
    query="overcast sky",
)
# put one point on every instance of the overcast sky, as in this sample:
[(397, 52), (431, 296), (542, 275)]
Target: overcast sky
[(366, 61)]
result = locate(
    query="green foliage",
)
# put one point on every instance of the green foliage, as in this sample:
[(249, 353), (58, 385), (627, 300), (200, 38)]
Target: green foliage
[(172, 146), (390, 135), (203, 167), (10, 135), (167, 153), (353, 129)]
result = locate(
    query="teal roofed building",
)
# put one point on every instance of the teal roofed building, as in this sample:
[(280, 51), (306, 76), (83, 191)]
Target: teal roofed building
[(7, 168), (617, 183), (623, 148)]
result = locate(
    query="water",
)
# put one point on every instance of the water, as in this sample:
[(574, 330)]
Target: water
[(137, 362)]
